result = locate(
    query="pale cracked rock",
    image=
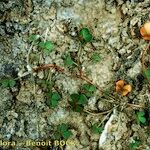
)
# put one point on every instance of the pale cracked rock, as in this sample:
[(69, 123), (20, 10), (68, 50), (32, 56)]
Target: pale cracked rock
[(136, 69), (29, 93), (101, 73), (68, 84), (57, 116)]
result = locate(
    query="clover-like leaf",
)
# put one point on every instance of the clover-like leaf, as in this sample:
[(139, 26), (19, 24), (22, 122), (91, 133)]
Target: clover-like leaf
[(89, 87), (85, 34), (68, 61), (47, 46), (147, 73), (8, 83), (63, 131), (141, 117), (67, 134), (56, 96), (96, 129), (82, 99), (96, 57), (74, 97), (62, 127), (134, 145), (78, 108), (53, 99)]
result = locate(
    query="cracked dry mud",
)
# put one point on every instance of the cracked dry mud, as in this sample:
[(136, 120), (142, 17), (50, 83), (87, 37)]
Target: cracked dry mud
[(114, 24)]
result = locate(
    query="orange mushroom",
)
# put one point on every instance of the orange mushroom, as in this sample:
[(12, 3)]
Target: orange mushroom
[(145, 31), (123, 88)]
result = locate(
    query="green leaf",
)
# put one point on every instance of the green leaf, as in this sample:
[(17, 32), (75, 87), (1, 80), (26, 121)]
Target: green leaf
[(34, 37), (141, 113), (46, 46), (147, 73), (55, 96), (53, 99), (74, 97), (54, 103), (12, 83), (62, 127), (82, 99), (85, 34), (96, 57), (89, 88), (141, 117), (134, 145), (8, 83), (142, 120), (78, 101), (42, 45), (96, 129), (68, 60), (49, 45), (67, 134), (4, 83), (78, 108)]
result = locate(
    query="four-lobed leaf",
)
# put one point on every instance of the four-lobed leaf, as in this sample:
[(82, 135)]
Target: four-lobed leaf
[(53, 99), (8, 83), (78, 101), (62, 131)]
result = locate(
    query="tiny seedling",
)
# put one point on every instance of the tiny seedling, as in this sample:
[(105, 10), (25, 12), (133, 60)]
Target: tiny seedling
[(88, 89), (135, 144), (47, 46), (141, 117), (68, 61), (147, 73), (62, 132), (53, 99), (33, 38), (96, 58), (96, 129), (78, 101), (85, 35), (8, 83)]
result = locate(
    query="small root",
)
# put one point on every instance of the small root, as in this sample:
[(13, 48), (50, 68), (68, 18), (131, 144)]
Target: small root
[(47, 66)]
